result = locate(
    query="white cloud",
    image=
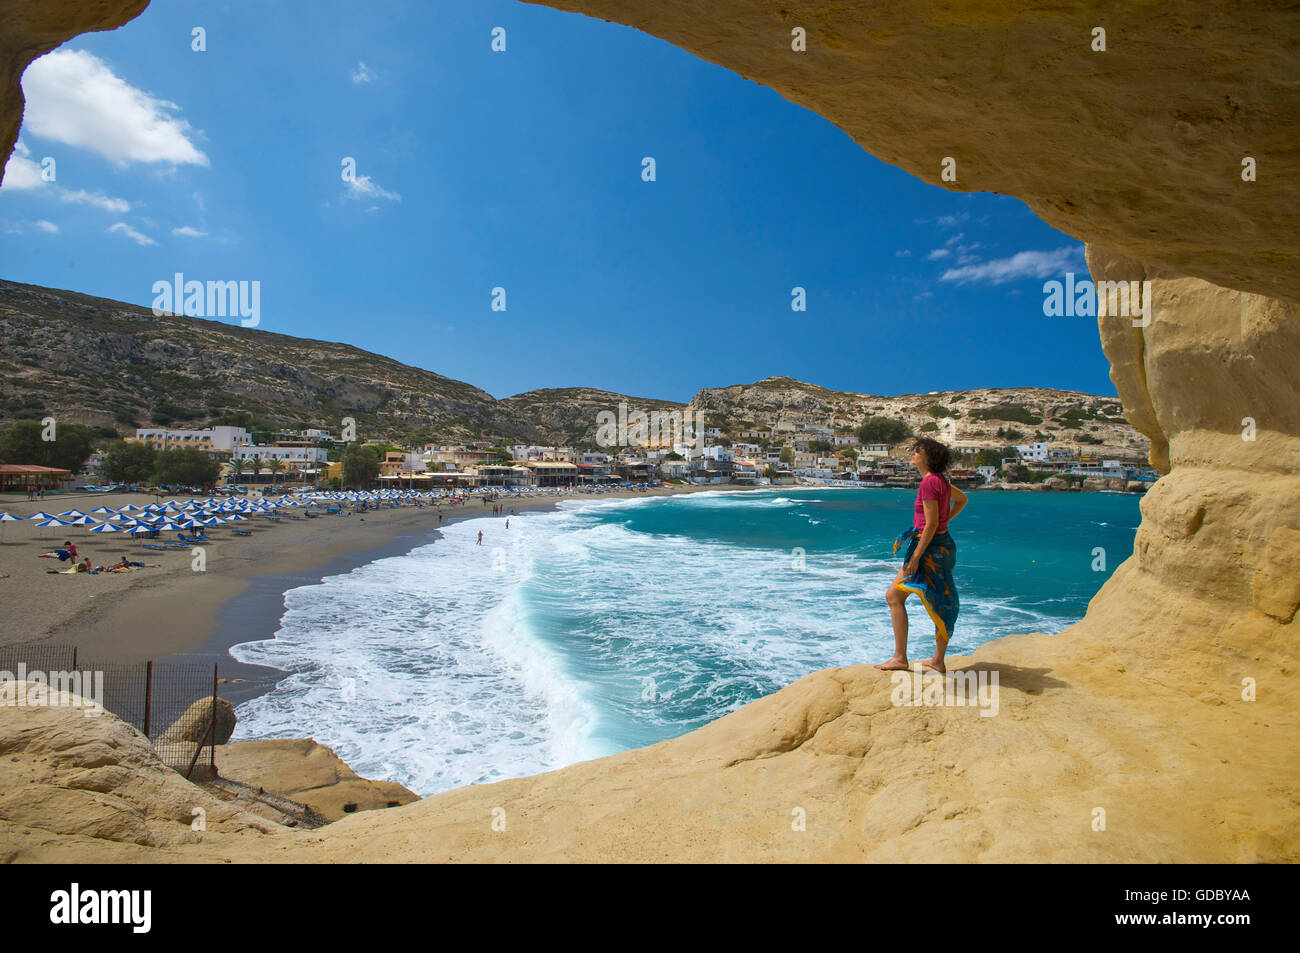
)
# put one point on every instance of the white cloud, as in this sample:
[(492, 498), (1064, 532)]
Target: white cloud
[(122, 228), (363, 74), (938, 253), (187, 232), (20, 171), (198, 200), (98, 199), (365, 187), (1025, 264), (22, 228), (74, 98), (905, 253), (952, 221)]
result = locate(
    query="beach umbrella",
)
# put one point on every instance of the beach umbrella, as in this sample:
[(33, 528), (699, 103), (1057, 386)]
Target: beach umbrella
[(129, 508), (102, 509), (104, 528), (72, 513), (42, 515), (140, 530), (168, 527), (83, 521), (6, 518)]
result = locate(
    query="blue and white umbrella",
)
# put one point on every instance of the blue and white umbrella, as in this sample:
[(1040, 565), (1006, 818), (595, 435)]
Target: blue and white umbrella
[(7, 518)]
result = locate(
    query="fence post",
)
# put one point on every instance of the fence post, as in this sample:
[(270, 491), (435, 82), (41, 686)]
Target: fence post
[(74, 658), (148, 693), (213, 749)]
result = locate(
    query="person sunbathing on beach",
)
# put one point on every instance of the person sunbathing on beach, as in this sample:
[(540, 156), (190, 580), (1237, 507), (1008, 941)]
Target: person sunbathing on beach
[(931, 556), (79, 567), (127, 564)]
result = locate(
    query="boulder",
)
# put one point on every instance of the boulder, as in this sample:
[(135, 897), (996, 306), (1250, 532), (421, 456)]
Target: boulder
[(309, 773), (193, 725)]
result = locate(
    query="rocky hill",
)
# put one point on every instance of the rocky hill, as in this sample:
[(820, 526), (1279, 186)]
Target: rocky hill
[(567, 415), (974, 417), (100, 362), (117, 366)]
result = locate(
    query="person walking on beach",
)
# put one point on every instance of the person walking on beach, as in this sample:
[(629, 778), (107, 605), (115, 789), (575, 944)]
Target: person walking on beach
[(480, 537), (931, 556)]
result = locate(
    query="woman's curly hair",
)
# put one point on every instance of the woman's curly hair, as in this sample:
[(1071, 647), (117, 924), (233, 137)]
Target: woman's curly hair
[(937, 456)]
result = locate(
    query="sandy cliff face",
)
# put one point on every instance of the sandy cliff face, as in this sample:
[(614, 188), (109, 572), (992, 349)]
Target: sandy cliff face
[(1139, 711)]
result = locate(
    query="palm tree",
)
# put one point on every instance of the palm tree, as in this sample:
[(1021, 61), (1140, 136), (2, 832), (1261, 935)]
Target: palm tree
[(275, 465), (254, 466), (237, 467)]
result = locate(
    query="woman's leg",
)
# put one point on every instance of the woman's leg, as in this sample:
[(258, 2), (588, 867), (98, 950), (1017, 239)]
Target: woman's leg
[(940, 647), (898, 616)]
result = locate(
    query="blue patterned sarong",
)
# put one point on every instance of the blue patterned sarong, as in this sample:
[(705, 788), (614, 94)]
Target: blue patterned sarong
[(933, 581)]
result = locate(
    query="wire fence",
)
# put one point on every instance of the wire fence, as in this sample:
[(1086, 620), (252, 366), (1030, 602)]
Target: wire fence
[(173, 704)]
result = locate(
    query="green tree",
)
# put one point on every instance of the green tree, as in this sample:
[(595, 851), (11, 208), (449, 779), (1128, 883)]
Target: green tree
[(820, 446), (24, 444), (787, 454), (186, 467), (276, 466), (673, 455), (237, 466), (360, 465), (128, 461), (883, 430)]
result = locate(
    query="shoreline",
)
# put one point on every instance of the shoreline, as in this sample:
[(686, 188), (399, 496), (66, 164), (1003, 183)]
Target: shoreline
[(173, 613), (240, 598), (254, 613)]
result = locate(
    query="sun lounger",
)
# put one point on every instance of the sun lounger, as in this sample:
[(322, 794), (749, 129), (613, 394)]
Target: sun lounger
[(242, 532), (193, 539), (153, 546), (168, 542)]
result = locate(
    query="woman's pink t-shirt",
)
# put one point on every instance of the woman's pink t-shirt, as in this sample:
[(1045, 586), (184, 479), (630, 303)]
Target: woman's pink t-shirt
[(933, 487)]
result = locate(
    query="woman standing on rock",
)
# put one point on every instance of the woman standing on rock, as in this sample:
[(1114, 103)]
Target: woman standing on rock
[(931, 556)]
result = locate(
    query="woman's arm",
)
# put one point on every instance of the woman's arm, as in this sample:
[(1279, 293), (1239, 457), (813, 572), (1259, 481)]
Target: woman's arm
[(931, 527), (958, 502)]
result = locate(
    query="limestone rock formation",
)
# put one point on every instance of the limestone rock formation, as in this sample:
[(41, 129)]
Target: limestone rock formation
[(193, 725), (74, 785), (309, 773)]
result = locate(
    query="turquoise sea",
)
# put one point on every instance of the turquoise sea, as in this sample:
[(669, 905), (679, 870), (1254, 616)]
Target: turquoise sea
[(614, 624)]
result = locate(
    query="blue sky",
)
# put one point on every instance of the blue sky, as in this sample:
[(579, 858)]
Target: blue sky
[(521, 169)]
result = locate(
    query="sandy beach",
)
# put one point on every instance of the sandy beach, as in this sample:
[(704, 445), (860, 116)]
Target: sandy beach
[(157, 613)]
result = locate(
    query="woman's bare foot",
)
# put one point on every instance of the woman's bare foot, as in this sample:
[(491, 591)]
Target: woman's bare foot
[(935, 664), (893, 665)]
